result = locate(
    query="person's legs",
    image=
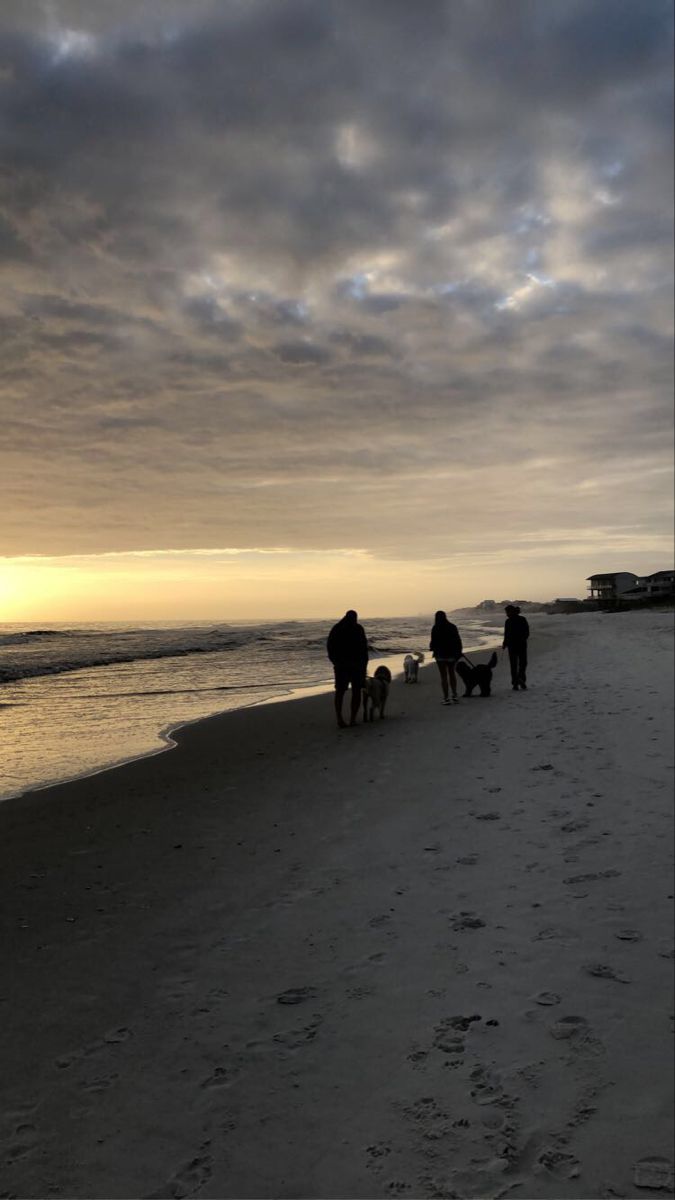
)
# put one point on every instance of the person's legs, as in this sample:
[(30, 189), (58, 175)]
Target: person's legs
[(522, 666), (443, 672), (355, 700), (341, 685), (513, 661), (453, 680), (339, 697)]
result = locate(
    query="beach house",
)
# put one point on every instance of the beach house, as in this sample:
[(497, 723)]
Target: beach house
[(660, 584), (611, 585)]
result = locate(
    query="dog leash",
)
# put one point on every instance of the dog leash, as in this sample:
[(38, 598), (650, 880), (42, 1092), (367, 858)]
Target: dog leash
[(465, 656)]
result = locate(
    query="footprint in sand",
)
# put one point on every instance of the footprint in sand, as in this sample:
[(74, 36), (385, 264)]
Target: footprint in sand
[(448, 1033), (446, 1043), (221, 1077), (377, 1151), (294, 1039), (296, 995), (569, 1027), (489, 816), (468, 860), (467, 920), (24, 1130), (462, 1023), (26, 1133), (100, 1085), (553, 933), (558, 1163), (377, 922), (430, 1122), (487, 1088), (114, 1036), (187, 1181), (547, 998), (417, 1057), (654, 1172), (628, 935), (604, 971), (609, 874)]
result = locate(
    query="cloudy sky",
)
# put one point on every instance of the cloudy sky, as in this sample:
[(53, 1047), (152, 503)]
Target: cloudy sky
[(317, 303)]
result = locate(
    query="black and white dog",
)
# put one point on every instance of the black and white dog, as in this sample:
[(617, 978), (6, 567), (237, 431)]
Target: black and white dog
[(479, 676), (375, 692)]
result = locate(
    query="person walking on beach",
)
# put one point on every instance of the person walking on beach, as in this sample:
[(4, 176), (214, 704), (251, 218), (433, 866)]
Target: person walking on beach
[(446, 647), (516, 633), (348, 651)]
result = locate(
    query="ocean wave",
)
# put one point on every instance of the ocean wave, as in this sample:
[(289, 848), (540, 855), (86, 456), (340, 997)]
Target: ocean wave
[(34, 653), (29, 635), (12, 672), (28, 654)]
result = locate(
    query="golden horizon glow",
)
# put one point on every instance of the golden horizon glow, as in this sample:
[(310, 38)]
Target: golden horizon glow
[(289, 583)]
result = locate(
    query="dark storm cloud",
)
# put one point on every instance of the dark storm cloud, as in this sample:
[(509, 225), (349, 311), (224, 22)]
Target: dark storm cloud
[(241, 242), (208, 316), (362, 344), (300, 352), (11, 245)]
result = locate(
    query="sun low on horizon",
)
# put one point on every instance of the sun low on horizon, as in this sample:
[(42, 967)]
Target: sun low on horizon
[(310, 306)]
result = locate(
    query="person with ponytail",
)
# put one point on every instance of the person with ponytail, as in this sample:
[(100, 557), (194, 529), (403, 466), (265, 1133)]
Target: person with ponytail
[(446, 648)]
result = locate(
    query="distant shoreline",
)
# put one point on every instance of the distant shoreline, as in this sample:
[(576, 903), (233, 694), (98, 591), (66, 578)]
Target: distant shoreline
[(167, 733)]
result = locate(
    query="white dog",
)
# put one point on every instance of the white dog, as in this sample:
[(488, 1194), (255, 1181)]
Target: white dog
[(375, 692), (411, 666)]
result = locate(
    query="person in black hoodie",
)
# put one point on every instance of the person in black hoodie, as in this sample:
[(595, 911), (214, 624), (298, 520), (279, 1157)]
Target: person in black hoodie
[(446, 647), (348, 651), (516, 633)]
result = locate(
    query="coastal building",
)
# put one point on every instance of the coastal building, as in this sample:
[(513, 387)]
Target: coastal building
[(661, 583), (611, 585)]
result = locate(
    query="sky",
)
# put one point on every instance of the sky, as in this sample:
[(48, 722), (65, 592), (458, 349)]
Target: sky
[(316, 304)]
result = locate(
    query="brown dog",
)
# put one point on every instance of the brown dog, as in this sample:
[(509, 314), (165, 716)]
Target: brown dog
[(375, 692)]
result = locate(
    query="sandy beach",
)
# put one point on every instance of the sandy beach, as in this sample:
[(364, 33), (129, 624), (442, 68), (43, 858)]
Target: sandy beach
[(431, 957)]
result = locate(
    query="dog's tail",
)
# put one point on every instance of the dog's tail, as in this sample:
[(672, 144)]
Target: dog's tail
[(418, 656)]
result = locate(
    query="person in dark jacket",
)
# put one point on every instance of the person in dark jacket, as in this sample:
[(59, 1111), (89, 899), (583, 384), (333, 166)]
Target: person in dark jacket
[(348, 651), (516, 633), (446, 647)]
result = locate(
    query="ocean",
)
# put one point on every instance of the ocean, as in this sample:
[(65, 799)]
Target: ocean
[(77, 699)]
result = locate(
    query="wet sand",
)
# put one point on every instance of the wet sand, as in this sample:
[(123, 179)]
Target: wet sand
[(427, 957)]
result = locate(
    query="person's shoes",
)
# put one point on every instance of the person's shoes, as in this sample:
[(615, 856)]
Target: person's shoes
[(523, 687), (514, 687), (455, 699), (446, 701), (342, 724)]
